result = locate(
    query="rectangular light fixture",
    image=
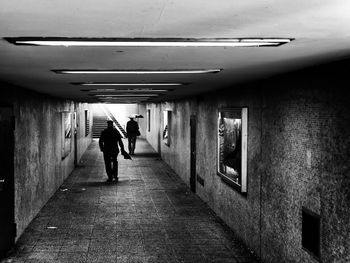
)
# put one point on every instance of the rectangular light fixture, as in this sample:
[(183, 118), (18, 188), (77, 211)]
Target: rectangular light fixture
[(123, 101), (124, 90), (148, 42), (122, 98), (120, 102), (125, 84), (136, 71), (126, 99), (124, 95)]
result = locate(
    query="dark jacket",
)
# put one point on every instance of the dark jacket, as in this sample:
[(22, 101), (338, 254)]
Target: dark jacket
[(109, 140), (132, 128)]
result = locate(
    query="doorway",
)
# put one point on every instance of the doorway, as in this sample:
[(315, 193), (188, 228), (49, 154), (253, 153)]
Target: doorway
[(7, 222), (75, 138), (193, 123)]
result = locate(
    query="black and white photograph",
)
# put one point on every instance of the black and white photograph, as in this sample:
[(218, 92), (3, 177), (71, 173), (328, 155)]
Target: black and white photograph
[(174, 131), (232, 141)]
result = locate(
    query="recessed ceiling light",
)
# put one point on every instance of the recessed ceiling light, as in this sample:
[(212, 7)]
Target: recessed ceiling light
[(127, 99), (125, 95), (149, 42), (126, 84), (124, 90), (136, 71), (124, 100)]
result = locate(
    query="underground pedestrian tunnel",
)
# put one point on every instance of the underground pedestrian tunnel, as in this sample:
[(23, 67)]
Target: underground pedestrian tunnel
[(208, 182), (243, 110)]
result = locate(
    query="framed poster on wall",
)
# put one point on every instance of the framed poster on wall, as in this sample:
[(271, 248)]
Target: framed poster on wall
[(232, 147), (148, 120), (166, 127), (67, 128)]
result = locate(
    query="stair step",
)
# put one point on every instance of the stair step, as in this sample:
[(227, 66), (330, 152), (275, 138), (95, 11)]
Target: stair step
[(99, 123)]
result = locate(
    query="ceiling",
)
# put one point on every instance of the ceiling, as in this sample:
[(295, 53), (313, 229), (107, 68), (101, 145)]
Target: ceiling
[(320, 29)]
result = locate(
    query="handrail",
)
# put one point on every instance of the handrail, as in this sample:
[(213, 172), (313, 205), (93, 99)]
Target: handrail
[(111, 117)]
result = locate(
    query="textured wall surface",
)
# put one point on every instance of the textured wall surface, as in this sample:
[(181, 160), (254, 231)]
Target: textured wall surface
[(39, 168), (142, 121), (83, 141), (240, 212), (154, 135), (306, 141), (298, 156), (179, 132)]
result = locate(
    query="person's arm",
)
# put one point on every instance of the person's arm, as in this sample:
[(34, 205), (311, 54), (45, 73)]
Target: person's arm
[(121, 145)]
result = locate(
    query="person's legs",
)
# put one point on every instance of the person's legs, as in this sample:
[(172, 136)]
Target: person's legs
[(133, 142), (109, 171), (130, 144), (115, 166)]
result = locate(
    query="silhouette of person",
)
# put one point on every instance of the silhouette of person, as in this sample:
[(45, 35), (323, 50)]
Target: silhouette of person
[(108, 142), (132, 131)]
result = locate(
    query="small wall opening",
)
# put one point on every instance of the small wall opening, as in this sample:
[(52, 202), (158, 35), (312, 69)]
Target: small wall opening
[(87, 123), (311, 232)]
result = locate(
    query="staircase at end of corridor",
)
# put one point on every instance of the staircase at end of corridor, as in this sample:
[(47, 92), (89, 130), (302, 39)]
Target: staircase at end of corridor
[(100, 117)]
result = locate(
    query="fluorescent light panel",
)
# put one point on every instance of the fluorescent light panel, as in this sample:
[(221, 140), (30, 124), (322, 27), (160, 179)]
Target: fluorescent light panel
[(126, 84), (124, 90), (124, 95), (136, 71), (127, 99), (115, 101), (149, 42), (118, 99), (123, 100)]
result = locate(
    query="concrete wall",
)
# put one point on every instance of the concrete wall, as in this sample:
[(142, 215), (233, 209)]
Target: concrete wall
[(305, 158), (142, 121), (298, 156), (39, 168), (83, 140)]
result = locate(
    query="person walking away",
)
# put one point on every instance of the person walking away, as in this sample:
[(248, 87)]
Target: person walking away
[(132, 131), (108, 142)]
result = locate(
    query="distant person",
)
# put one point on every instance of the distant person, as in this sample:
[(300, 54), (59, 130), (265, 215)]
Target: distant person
[(109, 140), (132, 131)]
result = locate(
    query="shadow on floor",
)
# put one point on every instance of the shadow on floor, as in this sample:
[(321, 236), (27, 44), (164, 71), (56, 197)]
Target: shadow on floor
[(146, 155), (95, 184)]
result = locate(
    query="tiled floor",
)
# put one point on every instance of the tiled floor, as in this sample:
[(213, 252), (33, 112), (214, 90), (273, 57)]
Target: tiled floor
[(148, 216)]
